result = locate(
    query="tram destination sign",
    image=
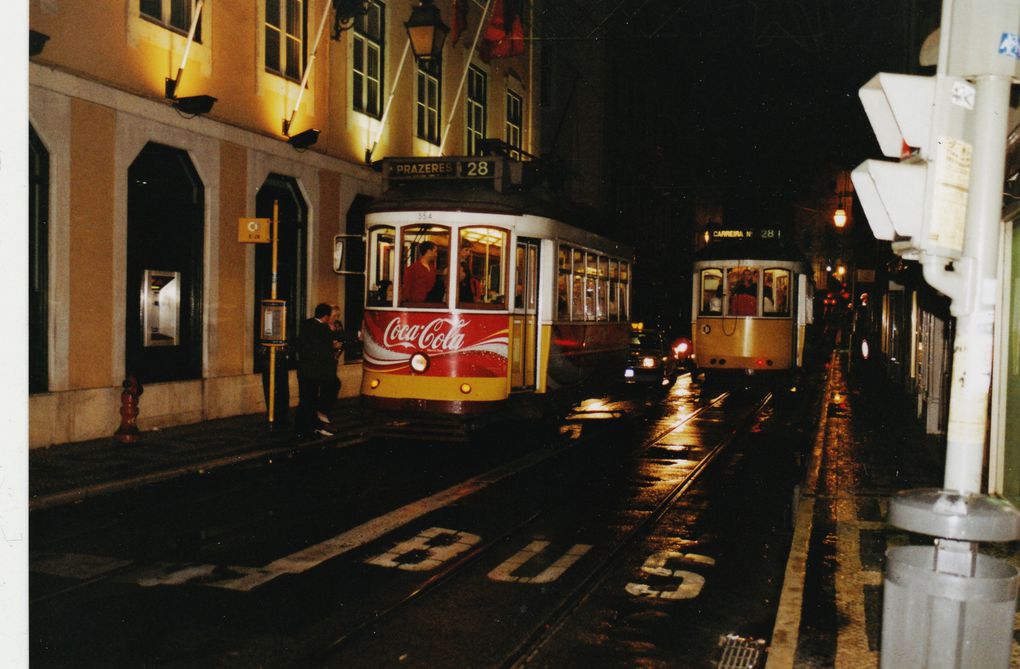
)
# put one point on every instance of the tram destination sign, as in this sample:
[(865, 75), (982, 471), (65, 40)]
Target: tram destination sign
[(719, 234), (417, 169)]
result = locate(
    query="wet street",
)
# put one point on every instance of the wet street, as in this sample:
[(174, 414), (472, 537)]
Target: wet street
[(636, 530)]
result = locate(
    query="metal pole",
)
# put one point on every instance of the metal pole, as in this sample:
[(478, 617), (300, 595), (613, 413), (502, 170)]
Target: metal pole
[(308, 70), (272, 349), (463, 76), (972, 357)]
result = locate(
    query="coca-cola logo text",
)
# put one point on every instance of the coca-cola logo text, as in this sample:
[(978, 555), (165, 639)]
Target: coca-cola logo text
[(441, 334)]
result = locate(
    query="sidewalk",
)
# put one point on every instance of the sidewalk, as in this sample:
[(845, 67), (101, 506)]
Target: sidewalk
[(67, 473), (868, 446)]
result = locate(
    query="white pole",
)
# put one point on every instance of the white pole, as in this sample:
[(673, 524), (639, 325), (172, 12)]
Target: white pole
[(463, 77), (389, 100), (308, 68)]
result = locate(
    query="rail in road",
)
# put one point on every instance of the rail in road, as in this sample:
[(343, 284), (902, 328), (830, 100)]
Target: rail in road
[(545, 527), (472, 565)]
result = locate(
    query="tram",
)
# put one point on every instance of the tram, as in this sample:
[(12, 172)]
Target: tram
[(752, 304), (478, 290)]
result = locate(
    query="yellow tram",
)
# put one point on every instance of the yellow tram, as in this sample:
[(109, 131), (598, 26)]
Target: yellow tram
[(752, 304), (476, 290)]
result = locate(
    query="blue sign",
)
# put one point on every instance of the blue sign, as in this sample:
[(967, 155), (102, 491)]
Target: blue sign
[(1009, 45)]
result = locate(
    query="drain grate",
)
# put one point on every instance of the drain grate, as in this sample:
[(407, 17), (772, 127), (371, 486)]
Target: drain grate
[(740, 652)]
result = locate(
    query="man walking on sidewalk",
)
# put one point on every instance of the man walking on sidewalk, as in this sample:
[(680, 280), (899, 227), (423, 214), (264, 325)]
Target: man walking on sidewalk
[(317, 382)]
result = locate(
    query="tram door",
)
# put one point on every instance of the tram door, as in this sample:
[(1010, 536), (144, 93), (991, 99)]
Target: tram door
[(525, 316)]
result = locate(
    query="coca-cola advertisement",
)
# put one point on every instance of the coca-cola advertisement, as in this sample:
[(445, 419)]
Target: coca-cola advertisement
[(457, 344)]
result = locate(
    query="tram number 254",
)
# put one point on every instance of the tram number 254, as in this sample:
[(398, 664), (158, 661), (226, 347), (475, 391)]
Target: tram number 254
[(437, 545)]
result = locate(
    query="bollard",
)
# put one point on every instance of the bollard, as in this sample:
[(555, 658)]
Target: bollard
[(128, 432)]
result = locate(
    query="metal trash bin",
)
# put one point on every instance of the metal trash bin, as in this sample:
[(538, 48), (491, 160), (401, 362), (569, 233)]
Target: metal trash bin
[(935, 620)]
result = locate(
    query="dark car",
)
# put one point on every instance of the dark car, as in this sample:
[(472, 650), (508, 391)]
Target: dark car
[(651, 360)]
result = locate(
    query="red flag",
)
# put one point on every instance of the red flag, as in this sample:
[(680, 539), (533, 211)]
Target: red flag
[(504, 34), (460, 11)]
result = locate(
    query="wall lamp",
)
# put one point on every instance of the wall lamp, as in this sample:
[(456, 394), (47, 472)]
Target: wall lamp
[(36, 42), (344, 13), (193, 105), (305, 139), (426, 31)]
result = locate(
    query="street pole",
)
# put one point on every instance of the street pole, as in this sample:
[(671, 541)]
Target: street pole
[(948, 605), (272, 347)]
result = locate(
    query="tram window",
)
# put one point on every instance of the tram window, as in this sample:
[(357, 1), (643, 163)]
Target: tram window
[(380, 266), (614, 284), (624, 291), (601, 303), (563, 283), (711, 292), (776, 293), (482, 268), (743, 291), (424, 266), (577, 292), (520, 267), (590, 275)]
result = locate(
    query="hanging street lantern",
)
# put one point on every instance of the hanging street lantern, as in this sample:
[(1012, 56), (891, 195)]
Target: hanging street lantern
[(839, 218), (427, 32)]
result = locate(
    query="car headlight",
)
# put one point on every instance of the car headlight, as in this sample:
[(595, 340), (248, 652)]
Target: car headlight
[(419, 362), (648, 362)]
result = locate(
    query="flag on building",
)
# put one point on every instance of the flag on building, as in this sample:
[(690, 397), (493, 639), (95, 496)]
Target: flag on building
[(504, 34)]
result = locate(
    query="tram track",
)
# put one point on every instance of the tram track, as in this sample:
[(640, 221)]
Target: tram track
[(505, 474), (546, 627)]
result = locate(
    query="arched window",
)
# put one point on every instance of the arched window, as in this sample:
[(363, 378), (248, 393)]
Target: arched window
[(38, 264), (163, 316)]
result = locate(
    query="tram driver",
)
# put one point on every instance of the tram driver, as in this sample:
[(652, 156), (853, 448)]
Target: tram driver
[(744, 295)]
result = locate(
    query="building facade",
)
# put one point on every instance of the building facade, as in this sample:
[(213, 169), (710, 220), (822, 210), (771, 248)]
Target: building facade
[(135, 260)]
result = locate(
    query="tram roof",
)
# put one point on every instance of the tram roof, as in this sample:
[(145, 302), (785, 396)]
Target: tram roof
[(515, 189)]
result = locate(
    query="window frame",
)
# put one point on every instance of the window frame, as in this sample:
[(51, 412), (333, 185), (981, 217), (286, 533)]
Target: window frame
[(429, 84), (476, 110), (703, 309), (486, 274), (514, 122), (771, 272), (373, 273), (165, 19), (284, 37), (423, 232), (368, 51)]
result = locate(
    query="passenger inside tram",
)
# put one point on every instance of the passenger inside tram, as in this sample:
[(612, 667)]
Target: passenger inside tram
[(424, 266), (744, 294)]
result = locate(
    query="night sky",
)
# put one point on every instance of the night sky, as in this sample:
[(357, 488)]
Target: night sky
[(762, 93)]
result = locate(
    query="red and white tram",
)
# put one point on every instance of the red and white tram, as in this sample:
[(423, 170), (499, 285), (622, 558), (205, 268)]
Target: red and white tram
[(515, 299)]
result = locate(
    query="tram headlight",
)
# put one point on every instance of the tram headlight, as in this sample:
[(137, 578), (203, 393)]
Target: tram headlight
[(419, 362), (465, 388), (648, 362), (373, 384)]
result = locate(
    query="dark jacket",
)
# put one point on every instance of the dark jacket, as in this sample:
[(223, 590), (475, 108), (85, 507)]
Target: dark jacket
[(314, 349)]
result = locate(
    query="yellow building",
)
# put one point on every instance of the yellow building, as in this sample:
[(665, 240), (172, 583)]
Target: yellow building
[(136, 195)]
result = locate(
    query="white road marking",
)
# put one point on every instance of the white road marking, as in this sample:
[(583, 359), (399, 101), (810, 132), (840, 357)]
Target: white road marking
[(504, 572), (246, 578), (431, 555), (690, 583), (75, 565)]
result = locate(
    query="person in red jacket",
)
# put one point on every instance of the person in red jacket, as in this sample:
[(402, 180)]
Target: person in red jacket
[(420, 277)]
